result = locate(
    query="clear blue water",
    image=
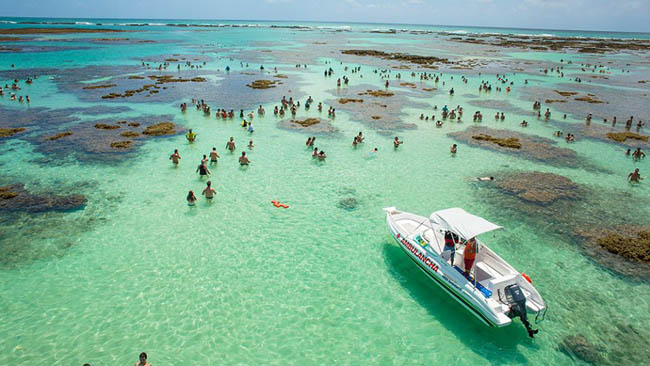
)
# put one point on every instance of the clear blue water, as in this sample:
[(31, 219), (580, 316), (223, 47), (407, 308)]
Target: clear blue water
[(238, 281)]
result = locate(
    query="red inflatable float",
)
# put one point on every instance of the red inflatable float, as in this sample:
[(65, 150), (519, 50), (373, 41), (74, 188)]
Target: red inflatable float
[(278, 204)]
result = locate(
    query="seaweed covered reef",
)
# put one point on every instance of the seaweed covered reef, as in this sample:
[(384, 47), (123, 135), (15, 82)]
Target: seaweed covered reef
[(614, 236), (528, 147)]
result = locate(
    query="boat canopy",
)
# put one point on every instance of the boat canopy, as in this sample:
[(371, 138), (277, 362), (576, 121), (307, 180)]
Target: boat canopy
[(462, 223)]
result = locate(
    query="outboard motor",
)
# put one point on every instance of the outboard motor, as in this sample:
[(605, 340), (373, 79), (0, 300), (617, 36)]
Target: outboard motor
[(517, 302)]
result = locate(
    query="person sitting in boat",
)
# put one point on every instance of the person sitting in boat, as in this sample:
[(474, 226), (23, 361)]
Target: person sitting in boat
[(469, 255)]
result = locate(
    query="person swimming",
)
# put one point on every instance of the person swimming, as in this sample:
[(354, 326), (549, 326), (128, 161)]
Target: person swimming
[(397, 142), (485, 179), (454, 148), (634, 176), (250, 145)]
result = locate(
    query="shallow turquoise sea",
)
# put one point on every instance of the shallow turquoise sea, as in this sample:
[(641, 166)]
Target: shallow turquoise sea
[(238, 281)]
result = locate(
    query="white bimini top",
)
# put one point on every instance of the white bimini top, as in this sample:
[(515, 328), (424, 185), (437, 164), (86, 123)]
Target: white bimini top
[(462, 223)]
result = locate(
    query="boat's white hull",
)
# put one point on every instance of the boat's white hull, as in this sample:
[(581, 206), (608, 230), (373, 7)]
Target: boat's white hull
[(440, 272)]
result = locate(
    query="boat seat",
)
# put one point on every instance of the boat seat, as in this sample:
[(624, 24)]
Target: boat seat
[(498, 283), (485, 271)]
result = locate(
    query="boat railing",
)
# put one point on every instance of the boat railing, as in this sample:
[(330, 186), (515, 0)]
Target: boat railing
[(537, 320)]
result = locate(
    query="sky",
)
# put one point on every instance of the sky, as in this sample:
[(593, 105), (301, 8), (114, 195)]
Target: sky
[(603, 15)]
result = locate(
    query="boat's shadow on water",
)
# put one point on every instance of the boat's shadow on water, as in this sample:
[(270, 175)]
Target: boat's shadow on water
[(498, 345)]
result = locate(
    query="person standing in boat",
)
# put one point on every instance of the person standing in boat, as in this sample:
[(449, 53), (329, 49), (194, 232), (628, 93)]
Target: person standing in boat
[(469, 255), (449, 251)]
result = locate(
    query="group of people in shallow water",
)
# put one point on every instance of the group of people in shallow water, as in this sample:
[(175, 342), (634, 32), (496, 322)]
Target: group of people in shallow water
[(203, 170), (14, 87), (288, 104), (637, 155)]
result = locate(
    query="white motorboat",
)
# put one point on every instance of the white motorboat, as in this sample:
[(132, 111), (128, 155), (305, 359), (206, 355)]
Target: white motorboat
[(492, 289)]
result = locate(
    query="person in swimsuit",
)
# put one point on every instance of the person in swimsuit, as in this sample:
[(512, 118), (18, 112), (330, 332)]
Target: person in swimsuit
[(204, 161), (214, 155), (209, 192), (175, 157), (397, 142), (638, 154), (191, 136), (191, 198), (143, 360), (203, 170), (243, 159), (485, 179), (250, 145), (230, 145), (635, 176), (453, 148)]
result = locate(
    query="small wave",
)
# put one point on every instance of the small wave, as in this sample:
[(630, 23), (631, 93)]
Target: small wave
[(7, 22), (83, 23), (342, 27)]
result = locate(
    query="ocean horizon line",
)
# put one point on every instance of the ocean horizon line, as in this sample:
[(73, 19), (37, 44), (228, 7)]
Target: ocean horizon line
[(336, 22)]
